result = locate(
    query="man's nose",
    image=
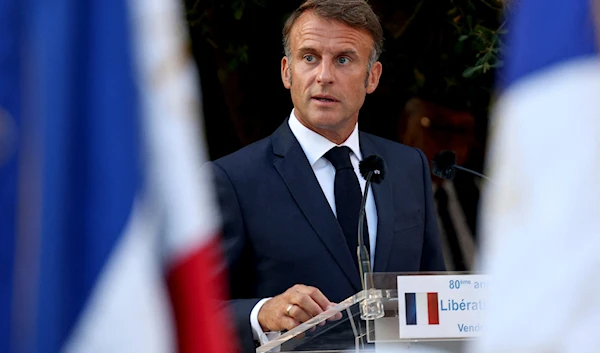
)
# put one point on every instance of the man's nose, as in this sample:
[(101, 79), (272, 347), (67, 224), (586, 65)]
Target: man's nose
[(325, 74)]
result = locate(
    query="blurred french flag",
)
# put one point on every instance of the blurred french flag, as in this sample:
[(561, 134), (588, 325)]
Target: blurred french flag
[(108, 229), (541, 217)]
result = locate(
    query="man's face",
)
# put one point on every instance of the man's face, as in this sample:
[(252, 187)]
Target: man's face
[(326, 74)]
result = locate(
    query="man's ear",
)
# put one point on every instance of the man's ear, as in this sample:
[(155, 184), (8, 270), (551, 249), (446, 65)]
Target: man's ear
[(374, 75), (286, 72)]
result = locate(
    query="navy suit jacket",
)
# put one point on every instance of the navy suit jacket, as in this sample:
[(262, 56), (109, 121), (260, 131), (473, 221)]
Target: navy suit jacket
[(279, 229)]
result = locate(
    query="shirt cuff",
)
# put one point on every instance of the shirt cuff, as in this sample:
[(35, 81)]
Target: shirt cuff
[(257, 332)]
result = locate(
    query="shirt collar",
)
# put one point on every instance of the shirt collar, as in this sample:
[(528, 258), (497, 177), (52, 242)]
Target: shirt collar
[(315, 145)]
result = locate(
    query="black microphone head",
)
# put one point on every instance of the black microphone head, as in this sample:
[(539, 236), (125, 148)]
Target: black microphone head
[(443, 165), (374, 164)]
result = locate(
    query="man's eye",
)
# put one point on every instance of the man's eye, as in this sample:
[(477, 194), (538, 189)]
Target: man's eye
[(343, 60), (309, 58)]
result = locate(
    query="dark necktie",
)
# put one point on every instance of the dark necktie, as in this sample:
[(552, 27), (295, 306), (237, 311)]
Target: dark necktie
[(348, 197)]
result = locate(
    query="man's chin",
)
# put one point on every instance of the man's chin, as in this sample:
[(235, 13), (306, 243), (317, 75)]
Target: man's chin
[(328, 117), (327, 123)]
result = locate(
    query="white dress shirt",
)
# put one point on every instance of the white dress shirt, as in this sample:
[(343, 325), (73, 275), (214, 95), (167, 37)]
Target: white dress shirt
[(315, 146)]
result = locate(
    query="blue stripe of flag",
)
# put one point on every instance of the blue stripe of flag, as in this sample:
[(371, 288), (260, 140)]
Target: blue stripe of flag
[(10, 112), (411, 308), (542, 33), (82, 88)]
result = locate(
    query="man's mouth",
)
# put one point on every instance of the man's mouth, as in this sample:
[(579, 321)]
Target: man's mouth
[(327, 99)]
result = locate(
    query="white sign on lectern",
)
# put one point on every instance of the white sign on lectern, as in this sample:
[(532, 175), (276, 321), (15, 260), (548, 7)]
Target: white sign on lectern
[(444, 306)]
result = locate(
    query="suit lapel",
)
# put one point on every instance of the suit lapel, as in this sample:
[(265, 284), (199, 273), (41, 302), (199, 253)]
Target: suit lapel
[(385, 205), (298, 176)]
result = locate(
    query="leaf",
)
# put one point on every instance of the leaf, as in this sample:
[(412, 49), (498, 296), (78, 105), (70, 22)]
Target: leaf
[(237, 14), (419, 77), (463, 38), (471, 70), (238, 9)]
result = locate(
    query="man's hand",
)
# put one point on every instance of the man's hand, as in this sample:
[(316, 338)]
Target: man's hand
[(287, 310)]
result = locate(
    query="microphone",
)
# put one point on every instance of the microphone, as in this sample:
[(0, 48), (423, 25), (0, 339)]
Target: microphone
[(372, 169), (444, 166)]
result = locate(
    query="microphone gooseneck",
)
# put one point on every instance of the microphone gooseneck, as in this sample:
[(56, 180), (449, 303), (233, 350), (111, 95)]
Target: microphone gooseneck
[(372, 168)]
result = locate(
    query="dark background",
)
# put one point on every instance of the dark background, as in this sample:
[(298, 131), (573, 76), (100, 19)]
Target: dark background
[(444, 52)]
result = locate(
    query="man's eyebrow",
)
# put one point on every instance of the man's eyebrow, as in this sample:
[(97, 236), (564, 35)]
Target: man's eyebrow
[(306, 49), (348, 52)]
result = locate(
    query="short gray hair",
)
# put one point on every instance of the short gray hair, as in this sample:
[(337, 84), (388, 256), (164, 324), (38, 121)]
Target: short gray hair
[(355, 13)]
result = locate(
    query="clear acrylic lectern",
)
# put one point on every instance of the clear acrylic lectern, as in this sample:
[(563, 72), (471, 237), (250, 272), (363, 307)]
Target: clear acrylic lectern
[(365, 322)]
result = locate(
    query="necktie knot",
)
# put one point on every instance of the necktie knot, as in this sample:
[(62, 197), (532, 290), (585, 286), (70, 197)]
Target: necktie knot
[(339, 157)]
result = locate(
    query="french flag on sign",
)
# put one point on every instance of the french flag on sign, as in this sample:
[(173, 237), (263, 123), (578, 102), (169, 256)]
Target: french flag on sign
[(422, 309)]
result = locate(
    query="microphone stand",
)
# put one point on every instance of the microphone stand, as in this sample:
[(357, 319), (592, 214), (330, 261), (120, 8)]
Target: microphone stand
[(473, 172), (371, 307), (364, 262)]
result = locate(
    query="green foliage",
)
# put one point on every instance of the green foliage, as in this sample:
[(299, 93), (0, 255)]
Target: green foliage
[(223, 24), (443, 50), (487, 42)]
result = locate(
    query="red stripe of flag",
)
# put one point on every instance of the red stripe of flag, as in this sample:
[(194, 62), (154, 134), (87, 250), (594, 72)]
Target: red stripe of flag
[(432, 308), (197, 288)]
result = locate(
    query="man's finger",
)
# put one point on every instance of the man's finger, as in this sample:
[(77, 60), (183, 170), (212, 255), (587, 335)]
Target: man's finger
[(318, 297), (299, 314), (307, 303), (289, 323), (337, 315)]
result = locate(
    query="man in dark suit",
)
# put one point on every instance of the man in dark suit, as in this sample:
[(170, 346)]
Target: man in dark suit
[(289, 256)]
